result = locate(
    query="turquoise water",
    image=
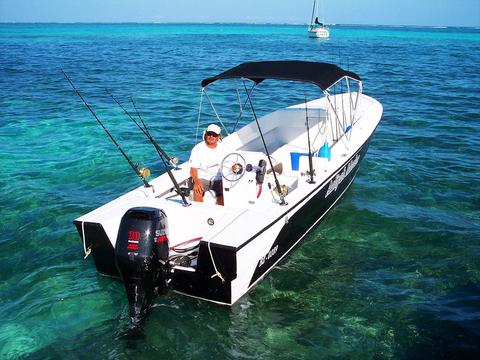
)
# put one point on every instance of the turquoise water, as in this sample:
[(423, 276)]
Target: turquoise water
[(392, 273)]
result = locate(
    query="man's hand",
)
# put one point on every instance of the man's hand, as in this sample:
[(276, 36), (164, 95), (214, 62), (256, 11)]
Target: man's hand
[(198, 187)]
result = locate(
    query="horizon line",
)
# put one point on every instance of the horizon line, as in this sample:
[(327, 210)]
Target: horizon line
[(229, 23)]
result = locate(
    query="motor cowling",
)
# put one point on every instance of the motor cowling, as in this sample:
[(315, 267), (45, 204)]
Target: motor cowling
[(141, 257)]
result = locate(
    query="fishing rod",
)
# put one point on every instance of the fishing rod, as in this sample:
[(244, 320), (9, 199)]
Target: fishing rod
[(172, 160), (163, 156), (310, 160), (142, 173), (277, 183)]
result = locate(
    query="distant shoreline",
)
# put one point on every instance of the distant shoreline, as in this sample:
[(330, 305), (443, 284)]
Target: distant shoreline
[(240, 24)]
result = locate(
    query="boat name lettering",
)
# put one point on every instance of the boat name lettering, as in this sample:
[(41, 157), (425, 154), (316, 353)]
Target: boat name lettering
[(337, 180), (268, 255)]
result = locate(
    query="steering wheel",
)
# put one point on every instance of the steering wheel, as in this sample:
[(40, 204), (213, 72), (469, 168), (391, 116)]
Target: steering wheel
[(233, 167)]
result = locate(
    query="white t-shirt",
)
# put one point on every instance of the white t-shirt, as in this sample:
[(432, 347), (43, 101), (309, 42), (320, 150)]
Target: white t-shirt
[(207, 160)]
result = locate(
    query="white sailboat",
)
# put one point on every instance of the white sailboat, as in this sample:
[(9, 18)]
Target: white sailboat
[(317, 29)]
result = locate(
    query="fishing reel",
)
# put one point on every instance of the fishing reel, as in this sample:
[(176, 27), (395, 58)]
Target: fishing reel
[(144, 172), (282, 192), (173, 161)]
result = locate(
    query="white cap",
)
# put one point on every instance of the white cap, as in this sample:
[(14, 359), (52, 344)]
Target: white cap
[(214, 128)]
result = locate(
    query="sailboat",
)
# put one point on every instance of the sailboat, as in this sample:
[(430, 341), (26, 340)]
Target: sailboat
[(317, 29)]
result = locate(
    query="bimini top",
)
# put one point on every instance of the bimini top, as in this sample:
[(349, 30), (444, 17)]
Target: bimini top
[(323, 75)]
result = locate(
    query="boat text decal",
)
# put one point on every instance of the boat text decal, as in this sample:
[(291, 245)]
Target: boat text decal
[(268, 255), (133, 240), (337, 180)]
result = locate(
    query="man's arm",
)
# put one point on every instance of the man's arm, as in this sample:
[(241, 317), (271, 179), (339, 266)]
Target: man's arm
[(197, 185)]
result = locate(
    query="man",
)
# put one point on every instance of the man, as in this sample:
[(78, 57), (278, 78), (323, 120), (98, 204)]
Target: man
[(205, 162)]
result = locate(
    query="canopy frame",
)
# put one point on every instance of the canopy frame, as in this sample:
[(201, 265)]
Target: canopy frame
[(324, 75)]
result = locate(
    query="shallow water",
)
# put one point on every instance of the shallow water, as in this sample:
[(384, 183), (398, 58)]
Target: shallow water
[(392, 272)]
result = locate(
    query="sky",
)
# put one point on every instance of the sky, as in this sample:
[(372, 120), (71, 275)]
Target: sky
[(373, 12)]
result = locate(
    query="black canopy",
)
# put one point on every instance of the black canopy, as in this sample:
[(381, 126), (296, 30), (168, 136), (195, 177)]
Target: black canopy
[(323, 75)]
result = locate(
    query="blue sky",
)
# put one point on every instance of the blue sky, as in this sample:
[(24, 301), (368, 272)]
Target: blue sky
[(380, 12)]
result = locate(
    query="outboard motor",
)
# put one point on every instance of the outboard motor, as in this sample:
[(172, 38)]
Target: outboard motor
[(141, 257)]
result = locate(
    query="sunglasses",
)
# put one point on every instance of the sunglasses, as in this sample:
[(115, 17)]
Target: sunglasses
[(211, 133)]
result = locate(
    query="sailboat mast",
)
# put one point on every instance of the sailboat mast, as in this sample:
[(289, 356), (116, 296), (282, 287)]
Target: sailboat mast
[(312, 20), (321, 11)]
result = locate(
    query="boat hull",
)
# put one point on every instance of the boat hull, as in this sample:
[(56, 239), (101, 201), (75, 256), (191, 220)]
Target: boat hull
[(283, 234), (310, 213), (319, 34), (322, 32)]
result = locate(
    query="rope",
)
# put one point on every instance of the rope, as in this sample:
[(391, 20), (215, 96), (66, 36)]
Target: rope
[(217, 273), (85, 250)]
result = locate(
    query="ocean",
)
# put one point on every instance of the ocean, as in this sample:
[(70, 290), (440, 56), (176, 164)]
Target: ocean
[(393, 272)]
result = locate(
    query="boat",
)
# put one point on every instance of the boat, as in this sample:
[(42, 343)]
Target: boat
[(282, 173), (317, 29)]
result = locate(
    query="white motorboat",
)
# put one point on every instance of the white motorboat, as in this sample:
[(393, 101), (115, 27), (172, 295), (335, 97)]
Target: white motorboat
[(282, 173), (317, 29)]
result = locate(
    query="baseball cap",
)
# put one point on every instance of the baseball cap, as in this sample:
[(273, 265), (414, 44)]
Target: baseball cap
[(214, 128)]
